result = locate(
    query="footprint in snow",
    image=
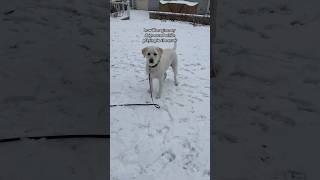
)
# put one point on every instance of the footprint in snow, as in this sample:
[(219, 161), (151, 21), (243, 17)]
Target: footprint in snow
[(181, 105)]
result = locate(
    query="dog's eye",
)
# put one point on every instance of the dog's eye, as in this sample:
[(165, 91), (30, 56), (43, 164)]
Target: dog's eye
[(148, 54), (155, 54)]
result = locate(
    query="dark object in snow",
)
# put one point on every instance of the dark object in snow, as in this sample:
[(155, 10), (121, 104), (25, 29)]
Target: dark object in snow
[(153, 104), (99, 61), (13, 47), (9, 12), (295, 175), (296, 22), (125, 18), (104, 136)]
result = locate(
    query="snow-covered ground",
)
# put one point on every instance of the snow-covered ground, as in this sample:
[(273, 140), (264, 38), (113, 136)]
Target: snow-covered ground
[(52, 84), (172, 142), (267, 98)]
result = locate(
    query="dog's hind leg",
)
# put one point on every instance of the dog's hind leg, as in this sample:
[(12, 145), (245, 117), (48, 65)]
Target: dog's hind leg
[(174, 66)]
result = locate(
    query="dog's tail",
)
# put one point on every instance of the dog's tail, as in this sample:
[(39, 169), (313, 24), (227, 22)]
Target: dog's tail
[(175, 44)]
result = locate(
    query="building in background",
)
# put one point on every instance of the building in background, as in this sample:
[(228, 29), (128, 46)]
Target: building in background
[(153, 5)]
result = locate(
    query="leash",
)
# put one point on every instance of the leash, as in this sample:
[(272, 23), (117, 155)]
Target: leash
[(72, 136), (142, 104)]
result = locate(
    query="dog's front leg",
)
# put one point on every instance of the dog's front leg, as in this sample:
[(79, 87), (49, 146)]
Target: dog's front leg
[(147, 68), (150, 86), (160, 88)]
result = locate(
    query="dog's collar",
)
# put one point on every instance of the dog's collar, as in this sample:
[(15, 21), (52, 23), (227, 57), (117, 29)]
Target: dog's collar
[(154, 65)]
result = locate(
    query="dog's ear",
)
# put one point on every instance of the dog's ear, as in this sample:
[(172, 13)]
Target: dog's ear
[(144, 50), (160, 50)]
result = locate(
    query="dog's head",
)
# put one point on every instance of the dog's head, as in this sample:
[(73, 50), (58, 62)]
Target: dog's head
[(152, 54)]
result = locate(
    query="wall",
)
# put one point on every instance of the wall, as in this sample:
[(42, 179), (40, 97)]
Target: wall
[(202, 7)]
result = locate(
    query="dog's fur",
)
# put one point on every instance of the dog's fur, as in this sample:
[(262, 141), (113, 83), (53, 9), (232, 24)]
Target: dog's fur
[(158, 62)]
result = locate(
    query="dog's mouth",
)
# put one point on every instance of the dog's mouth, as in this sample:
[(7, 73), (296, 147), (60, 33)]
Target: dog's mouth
[(152, 63)]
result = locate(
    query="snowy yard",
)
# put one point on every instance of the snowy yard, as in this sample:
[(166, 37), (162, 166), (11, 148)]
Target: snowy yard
[(173, 142)]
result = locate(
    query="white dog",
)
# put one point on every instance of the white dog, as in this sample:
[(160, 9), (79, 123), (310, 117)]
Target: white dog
[(158, 62)]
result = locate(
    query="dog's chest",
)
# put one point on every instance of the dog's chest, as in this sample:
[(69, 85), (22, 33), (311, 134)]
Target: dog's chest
[(154, 72)]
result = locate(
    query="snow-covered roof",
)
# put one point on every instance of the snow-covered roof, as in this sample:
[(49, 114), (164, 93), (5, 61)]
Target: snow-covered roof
[(179, 2)]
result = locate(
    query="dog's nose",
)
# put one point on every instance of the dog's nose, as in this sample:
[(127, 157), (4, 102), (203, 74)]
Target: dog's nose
[(151, 60)]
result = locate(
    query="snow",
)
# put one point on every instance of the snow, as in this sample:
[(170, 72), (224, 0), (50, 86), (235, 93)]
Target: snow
[(268, 90), (52, 85), (181, 14), (53, 159), (172, 142), (180, 2), (43, 92)]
